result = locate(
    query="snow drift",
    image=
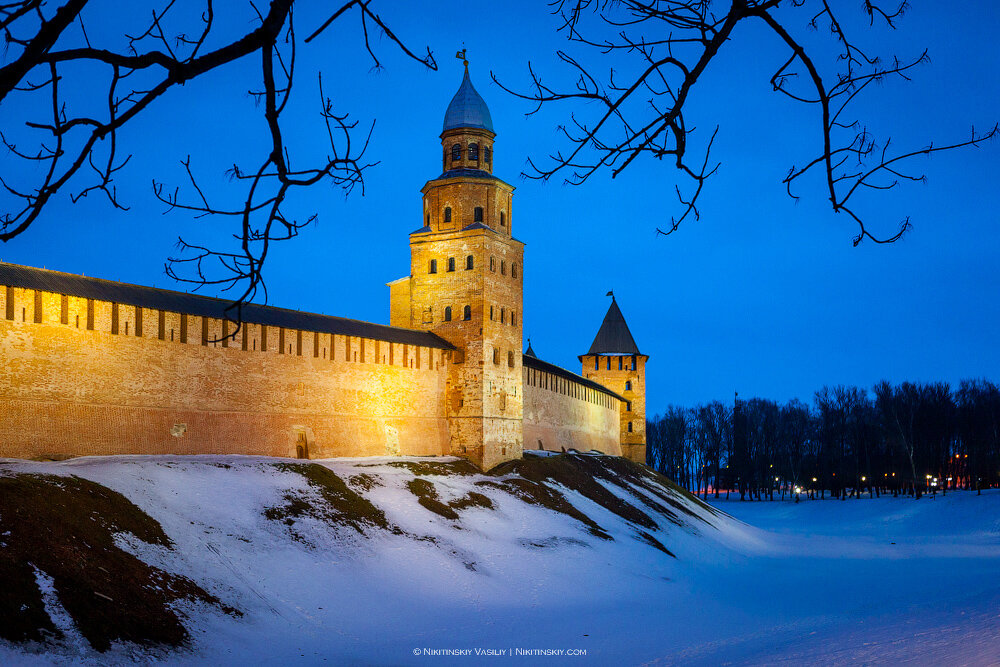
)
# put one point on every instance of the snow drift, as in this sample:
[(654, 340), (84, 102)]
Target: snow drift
[(568, 558), (138, 554)]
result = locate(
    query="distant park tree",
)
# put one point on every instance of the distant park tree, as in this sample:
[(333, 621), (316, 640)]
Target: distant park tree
[(796, 431), (978, 416), (657, 53), (76, 95), (909, 438)]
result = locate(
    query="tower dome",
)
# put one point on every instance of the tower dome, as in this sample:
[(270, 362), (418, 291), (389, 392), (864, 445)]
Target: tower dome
[(467, 108)]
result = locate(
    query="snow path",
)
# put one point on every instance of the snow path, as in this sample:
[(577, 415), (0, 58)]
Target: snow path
[(813, 583)]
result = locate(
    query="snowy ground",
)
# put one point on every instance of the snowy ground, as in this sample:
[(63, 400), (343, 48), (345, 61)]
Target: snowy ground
[(865, 581), (818, 582)]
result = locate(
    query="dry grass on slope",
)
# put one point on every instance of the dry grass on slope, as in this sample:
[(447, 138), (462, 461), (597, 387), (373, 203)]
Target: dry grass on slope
[(63, 528)]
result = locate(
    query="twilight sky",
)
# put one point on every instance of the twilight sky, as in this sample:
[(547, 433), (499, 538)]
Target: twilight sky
[(762, 295)]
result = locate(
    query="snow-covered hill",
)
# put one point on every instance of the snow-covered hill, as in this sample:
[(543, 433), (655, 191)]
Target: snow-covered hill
[(397, 561)]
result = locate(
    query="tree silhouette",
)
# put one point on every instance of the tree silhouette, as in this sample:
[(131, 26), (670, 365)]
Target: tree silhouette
[(658, 52), (909, 438), (77, 141)]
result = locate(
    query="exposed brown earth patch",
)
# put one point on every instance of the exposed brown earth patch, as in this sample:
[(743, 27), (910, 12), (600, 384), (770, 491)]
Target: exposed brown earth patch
[(428, 498), (580, 474), (444, 468), (341, 505), (363, 481), (65, 528)]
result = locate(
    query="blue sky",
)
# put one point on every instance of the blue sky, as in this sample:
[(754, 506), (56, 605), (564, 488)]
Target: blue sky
[(762, 295)]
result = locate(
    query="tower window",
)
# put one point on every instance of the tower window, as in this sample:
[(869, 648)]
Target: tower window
[(486, 154), (473, 151), (496, 355), (513, 319), (503, 268), (502, 316), (428, 219), (633, 362), (467, 313), (447, 213), (628, 385), (469, 263), (478, 214), (451, 264), (628, 406), (434, 266), (456, 153), (503, 219), (493, 264), (447, 314), (630, 427), (597, 363), (491, 313), (609, 363), (619, 363), (513, 269), (510, 359)]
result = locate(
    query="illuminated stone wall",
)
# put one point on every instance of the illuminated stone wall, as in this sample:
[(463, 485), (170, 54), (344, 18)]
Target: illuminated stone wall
[(69, 390), (560, 414)]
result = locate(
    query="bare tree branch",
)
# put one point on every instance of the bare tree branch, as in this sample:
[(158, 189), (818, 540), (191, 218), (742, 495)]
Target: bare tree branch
[(661, 48), (82, 154)]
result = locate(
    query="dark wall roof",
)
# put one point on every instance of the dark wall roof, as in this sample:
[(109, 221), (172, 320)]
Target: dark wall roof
[(538, 364), (478, 225), (614, 337), (469, 173), (28, 277)]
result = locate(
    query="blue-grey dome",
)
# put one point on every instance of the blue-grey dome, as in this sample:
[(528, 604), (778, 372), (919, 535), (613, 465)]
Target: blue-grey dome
[(467, 108)]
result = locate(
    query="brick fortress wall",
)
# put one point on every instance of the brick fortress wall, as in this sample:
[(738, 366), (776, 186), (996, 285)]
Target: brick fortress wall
[(560, 414), (70, 386)]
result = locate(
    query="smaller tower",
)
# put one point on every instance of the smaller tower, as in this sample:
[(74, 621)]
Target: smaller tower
[(614, 361)]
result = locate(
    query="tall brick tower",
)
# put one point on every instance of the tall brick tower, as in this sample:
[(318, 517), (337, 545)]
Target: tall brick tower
[(614, 360), (465, 285)]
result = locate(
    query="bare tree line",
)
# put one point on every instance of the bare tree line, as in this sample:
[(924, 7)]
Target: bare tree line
[(906, 439)]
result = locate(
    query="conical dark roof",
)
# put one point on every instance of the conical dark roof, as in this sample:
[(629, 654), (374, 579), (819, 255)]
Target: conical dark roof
[(529, 352), (614, 337), (467, 108)]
